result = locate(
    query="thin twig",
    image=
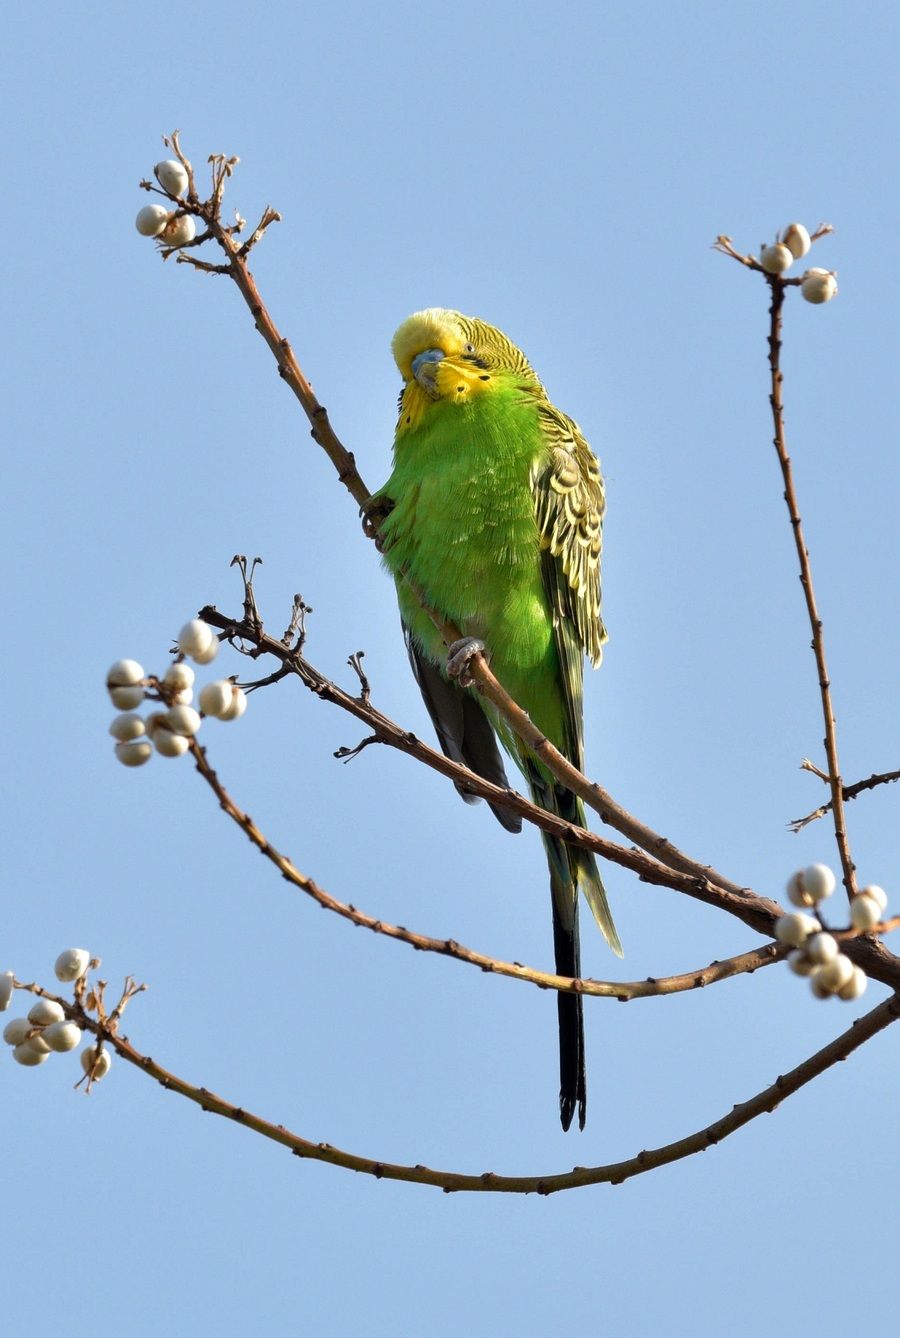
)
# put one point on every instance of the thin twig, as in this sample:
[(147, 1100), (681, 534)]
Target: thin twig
[(776, 284), (850, 792)]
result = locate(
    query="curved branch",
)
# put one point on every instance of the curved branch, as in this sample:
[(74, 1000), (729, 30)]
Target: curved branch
[(622, 990), (616, 1173), (865, 950)]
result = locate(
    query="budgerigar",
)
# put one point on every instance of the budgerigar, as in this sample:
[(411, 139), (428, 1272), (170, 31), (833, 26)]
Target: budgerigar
[(494, 509)]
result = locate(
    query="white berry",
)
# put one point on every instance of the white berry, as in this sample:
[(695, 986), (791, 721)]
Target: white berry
[(37, 1044), (809, 886), (72, 964), (797, 240), (171, 176), (799, 963), (837, 973), (818, 882), (7, 989), (62, 1036), (127, 726), (151, 220), (45, 1011), (819, 990), (864, 912), (821, 948), (126, 699), (878, 895), (795, 929), (796, 892), (819, 285), (179, 676), (27, 1055), (134, 753), (776, 259), (238, 705), (96, 1065), (216, 697), (178, 231), (124, 673), (17, 1031), (183, 720), (855, 987), (207, 656), (195, 637), (168, 744)]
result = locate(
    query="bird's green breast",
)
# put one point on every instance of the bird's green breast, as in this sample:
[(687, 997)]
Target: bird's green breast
[(463, 526)]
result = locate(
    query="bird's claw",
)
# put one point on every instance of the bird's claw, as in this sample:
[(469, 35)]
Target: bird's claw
[(373, 512), (460, 656)]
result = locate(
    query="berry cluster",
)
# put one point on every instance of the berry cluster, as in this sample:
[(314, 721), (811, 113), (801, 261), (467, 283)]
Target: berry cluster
[(169, 227), (815, 952), (169, 731), (816, 285), (46, 1028)]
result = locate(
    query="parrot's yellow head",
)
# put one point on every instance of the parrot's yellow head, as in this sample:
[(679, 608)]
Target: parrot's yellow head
[(431, 331), (443, 355), (470, 347)]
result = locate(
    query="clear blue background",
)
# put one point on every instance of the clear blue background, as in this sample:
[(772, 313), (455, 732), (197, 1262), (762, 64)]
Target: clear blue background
[(561, 171)]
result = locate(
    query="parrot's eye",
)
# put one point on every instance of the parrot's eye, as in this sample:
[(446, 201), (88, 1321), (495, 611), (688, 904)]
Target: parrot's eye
[(469, 348)]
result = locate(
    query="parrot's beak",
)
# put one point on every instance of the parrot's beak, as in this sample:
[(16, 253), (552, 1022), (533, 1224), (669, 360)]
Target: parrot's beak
[(424, 369)]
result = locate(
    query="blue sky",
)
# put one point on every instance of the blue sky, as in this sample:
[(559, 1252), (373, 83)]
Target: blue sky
[(560, 171)]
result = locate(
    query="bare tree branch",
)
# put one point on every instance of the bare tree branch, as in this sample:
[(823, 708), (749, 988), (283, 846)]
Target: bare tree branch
[(777, 286), (850, 792), (757, 912), (766, 1101), (623, 991)]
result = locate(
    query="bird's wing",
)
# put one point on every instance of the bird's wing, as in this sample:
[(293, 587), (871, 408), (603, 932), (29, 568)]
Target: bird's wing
[(569, 503), (462, 728)]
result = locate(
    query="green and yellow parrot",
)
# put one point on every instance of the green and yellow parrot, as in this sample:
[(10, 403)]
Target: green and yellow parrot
[(495, 509)]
